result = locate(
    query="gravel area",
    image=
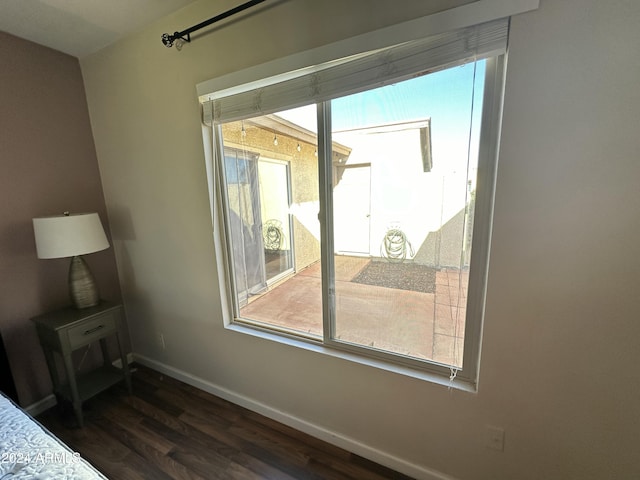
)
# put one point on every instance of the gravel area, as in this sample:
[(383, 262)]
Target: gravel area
[(401, 276)]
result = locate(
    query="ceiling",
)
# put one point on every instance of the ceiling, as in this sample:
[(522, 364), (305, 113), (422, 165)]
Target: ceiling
[(80, 27)]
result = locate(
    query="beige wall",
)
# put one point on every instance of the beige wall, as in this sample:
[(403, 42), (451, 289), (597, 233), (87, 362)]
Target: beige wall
[(561, 328), (47, 165)]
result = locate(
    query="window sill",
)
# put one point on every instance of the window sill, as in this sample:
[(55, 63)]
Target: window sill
[(316, 347)]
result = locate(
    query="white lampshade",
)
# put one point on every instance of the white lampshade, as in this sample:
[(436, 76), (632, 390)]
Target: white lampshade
[(69, 235), (72, 236)]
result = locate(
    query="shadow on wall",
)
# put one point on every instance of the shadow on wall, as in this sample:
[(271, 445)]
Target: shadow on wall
[(136, 303), (451, 245)]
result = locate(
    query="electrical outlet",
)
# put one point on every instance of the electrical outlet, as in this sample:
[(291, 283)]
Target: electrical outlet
[(494, 438), (160, 339)]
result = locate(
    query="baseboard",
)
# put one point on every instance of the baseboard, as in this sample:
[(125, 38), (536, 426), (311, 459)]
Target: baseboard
[(40, 406), (347, 443)]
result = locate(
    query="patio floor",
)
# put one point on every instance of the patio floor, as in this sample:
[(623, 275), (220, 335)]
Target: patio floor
[(422, 325)]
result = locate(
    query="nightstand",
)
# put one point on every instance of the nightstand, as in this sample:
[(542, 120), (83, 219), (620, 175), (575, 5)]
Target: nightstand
[(69, 329)]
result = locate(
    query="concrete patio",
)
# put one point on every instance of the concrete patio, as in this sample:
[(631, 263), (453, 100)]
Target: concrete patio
[(417, 324)]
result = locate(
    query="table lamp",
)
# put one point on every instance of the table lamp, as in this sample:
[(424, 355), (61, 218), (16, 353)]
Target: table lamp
[(73, 235)]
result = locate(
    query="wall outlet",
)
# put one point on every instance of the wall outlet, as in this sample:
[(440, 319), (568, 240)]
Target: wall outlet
[(160, 340), (494, 438)]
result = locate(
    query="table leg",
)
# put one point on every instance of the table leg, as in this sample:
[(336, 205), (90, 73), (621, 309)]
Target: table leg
[(73, 387), (105, 352), (125, 364), (55, 378), (53, 371)]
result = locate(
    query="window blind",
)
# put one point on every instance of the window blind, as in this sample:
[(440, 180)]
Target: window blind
[(359, 72)]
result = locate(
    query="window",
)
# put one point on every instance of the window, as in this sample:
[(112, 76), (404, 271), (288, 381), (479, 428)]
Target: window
[(357, 196)]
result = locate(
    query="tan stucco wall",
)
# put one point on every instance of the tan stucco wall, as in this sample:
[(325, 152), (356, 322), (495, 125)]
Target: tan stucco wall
[(304, 177)]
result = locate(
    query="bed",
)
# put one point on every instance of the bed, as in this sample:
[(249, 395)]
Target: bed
[(30, 451)]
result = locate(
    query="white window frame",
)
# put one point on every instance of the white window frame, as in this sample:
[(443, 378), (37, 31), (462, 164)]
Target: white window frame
[(489, 141)]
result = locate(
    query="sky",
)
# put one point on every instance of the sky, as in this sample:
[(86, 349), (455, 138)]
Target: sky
[(443, 96), (446, 97)]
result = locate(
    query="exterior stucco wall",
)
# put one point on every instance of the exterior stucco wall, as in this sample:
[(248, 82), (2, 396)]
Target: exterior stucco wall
[(303, 167)]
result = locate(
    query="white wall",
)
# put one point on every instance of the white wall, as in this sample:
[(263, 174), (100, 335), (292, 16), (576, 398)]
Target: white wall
[(560, 355)]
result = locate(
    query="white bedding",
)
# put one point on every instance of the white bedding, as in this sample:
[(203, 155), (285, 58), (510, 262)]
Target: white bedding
[(29, 451)]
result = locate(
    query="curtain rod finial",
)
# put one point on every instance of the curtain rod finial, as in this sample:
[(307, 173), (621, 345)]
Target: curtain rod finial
[(167, 40), (177, 39)]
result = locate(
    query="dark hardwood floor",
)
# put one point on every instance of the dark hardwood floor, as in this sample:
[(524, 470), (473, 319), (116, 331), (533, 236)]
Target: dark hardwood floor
[(170, 430)]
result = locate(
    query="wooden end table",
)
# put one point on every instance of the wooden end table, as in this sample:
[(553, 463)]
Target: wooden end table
[(69, 329)]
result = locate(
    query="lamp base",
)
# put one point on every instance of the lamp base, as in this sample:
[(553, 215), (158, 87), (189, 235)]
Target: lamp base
[(82, 286)]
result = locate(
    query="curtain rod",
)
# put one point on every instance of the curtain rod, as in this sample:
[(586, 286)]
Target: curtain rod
[(185, 35)]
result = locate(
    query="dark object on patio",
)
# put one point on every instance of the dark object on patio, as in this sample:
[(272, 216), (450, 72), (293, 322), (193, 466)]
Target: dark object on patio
[(401, 276)]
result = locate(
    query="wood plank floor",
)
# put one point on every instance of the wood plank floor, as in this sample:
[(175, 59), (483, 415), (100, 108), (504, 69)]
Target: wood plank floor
[(170, 430)]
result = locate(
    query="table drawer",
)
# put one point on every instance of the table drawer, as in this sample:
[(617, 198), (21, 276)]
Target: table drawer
[(92, 330)]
